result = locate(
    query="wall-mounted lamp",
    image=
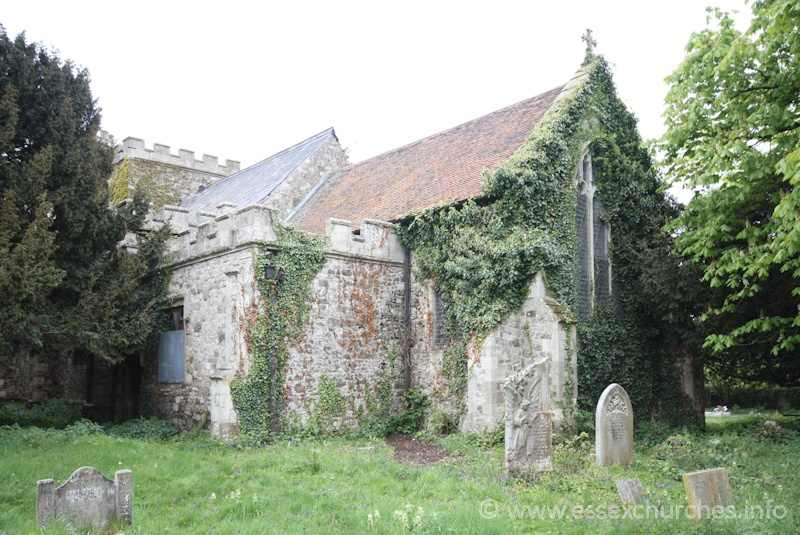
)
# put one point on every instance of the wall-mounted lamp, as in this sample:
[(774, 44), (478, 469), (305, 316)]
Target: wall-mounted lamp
[(271, 272)]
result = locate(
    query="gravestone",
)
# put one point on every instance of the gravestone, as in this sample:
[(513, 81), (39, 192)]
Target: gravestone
[(529, 427), (631, 491), (86, 499), (708, 492), (614, 427)]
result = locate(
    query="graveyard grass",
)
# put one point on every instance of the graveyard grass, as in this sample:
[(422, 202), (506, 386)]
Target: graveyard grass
[(200, 485)]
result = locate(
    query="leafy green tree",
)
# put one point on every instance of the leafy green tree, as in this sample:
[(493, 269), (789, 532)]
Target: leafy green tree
[(63, 275), (733, 122)]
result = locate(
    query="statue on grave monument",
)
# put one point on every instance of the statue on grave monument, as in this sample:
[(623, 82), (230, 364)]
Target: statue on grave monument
[(528, 424), (523, 424)]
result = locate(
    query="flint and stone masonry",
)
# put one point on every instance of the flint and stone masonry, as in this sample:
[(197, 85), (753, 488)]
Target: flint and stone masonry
[(356, 329)]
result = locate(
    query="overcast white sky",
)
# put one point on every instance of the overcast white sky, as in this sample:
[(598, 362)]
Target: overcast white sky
[(245, 79)]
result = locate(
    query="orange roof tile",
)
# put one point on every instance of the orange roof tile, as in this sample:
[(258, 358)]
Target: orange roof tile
[(446, 167)]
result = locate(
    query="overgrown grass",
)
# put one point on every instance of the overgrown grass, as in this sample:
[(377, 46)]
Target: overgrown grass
[(201, 485)]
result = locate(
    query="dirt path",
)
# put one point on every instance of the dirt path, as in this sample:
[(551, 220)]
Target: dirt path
[(413, 451)]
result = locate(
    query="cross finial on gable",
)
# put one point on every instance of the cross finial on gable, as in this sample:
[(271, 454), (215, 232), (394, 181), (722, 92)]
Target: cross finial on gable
[(590, 44)]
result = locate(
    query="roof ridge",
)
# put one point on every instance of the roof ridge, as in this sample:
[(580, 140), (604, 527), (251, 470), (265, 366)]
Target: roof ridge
[(413, 143), (319, 134), (269, 173), (265, 160)]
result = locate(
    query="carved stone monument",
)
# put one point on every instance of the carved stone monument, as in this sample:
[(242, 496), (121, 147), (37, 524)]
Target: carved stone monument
[(529, 428), (708, 492), (86, 499), (614, 427)]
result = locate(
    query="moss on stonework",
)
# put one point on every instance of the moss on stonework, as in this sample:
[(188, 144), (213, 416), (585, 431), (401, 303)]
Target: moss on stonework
[(151, 179), (120, 182)]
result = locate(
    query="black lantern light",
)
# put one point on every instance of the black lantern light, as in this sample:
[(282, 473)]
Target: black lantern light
[(271, 272)]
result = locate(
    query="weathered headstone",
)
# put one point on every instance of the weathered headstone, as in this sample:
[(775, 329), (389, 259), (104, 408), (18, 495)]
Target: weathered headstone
[(529, 427), (708, 492), (86, 499), (614, 427), (631, 491)]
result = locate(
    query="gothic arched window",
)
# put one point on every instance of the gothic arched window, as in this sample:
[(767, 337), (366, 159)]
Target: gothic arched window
[(594, 265)]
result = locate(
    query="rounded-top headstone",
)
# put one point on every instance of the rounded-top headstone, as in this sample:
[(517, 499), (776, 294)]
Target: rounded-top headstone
[(614, 427)]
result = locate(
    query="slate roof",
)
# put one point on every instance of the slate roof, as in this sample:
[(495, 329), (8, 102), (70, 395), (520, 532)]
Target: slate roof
[(254, 184), (446, 167)]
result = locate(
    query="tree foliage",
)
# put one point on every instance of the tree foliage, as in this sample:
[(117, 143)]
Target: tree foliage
[(63, 275), (734, 135)]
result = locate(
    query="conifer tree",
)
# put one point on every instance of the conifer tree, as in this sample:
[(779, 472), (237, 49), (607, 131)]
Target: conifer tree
[(63, 275)]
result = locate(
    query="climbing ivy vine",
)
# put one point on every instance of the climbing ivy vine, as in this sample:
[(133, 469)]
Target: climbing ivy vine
[(483, 253), (284, 311), (328, 413)]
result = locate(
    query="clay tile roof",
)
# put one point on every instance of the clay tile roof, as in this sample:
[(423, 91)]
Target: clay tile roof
[(254, 184), (446, 167)]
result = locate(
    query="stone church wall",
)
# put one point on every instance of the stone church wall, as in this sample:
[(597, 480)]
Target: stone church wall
[(213, 281), (356, 322), (356, 329)]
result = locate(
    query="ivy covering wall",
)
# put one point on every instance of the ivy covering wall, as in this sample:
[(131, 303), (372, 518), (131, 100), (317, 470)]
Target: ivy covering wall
[(483, 253), (285, 306)]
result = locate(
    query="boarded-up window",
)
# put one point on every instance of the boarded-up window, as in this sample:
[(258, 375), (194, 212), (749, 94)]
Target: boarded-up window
[(171, 354)]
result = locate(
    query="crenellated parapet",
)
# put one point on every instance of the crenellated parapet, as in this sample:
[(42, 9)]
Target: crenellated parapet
[(228, 229), (377, 240), (132, 147), (214, 233)]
